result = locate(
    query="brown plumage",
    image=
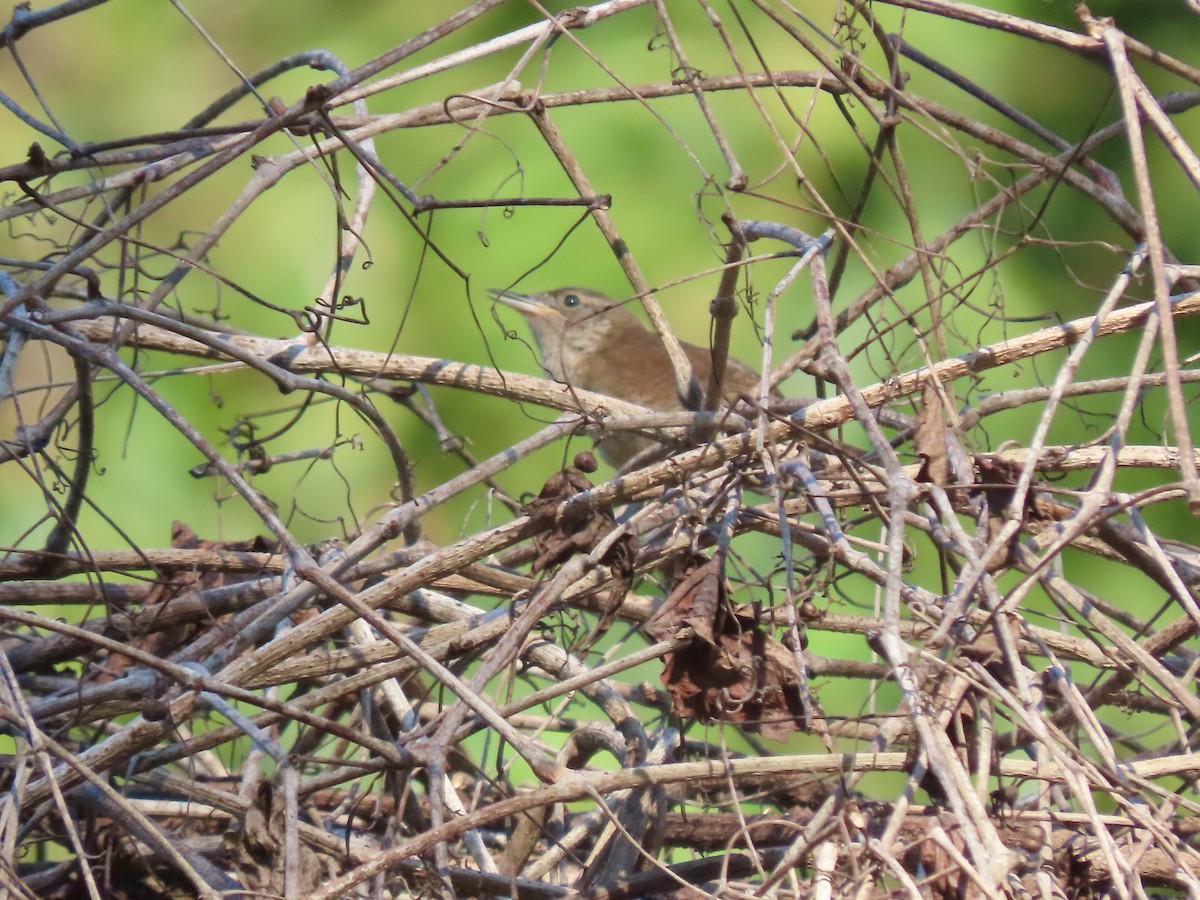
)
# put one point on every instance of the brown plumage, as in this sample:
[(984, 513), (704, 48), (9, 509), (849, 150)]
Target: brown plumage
[(589, 341)]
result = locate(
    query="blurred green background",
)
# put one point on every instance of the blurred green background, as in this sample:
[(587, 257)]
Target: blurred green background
[(125, 69)]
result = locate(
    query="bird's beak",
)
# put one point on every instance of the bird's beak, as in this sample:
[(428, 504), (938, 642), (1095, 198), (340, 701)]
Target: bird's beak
[(526, 304)]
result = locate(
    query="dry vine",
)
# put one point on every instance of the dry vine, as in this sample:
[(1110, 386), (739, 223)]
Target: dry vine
[(897, 633)]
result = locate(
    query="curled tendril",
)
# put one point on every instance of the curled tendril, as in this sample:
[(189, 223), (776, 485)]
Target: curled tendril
[(308, 320)]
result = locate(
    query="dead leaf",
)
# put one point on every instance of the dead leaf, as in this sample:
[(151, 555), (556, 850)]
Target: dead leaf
[(574, 530), (579, 531), (929, 438), (692, 603), (733, 670)]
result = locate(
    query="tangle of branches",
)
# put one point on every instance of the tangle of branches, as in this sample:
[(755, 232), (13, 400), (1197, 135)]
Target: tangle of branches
[(288, 608)]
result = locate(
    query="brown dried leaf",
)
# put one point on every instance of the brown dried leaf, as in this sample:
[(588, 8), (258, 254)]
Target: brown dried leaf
[(929, 439), (996, 479), (574, 531), (733, 670), (579, 531), (694, 602)]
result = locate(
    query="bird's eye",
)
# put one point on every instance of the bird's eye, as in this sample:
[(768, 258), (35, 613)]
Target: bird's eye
[(571, 300)]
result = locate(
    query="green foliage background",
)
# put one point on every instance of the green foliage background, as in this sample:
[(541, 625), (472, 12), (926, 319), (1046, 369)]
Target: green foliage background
[(130, 68)]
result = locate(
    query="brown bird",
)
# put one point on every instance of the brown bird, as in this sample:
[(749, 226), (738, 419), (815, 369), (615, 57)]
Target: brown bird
[(592, 342)]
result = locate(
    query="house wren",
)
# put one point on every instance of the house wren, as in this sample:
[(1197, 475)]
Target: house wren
[(592, 342)]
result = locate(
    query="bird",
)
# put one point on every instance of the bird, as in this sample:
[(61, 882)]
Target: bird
[(590, 341)]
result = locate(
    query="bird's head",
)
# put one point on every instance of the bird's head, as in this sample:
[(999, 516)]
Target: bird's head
[(570, 323)]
